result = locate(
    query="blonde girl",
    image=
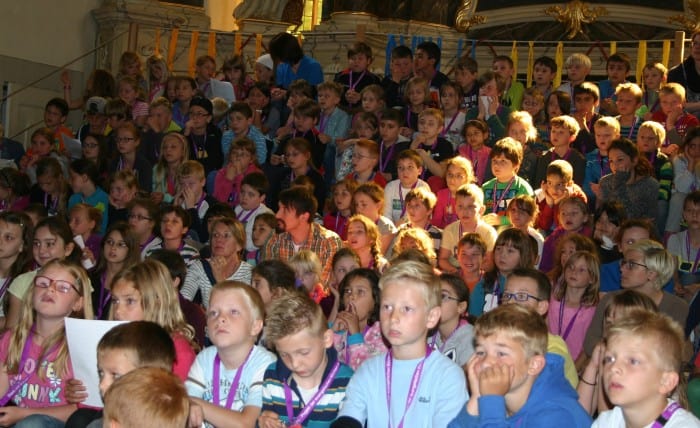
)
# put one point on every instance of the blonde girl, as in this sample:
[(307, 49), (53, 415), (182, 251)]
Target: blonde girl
[(173, 152), (35, 354), (84, 221), (568, 245), (417, 100), (133, 95), (522, 212), (372, 97), (413, 237), (368, 200), (130, 65), (458, 172), (308, 269), (52, 187), (521, 128), (363, 239), (145, 292), (574, 300), (476, 134), (643, 370), (158, 75)]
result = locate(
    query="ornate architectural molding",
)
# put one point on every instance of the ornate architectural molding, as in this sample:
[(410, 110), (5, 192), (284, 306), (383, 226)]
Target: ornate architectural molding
[(574, 15)]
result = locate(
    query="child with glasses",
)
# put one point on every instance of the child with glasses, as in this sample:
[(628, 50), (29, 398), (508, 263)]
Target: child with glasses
[(531, 288), (454, 335), (35, 354)]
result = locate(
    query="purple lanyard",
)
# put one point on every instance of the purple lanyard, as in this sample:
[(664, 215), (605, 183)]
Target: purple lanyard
[(433, 343), (54, 203), (150, 239), (309, 407), (244, 219), (200, 202), (340, 228), (403, 206), (634, 125), (565, 157), (497, 202), (687, 251), (646, 102), (383, 164), (666, 415), (449, 125), (322, 122), (234, 384), (23, 375), (413, 387), (5, 284), (408, 117), (359, 79), (570, 325), (104, 298), (602, 169)]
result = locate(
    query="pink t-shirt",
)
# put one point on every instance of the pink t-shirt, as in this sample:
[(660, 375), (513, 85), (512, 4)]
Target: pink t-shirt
[(43, 388), (579, 325), (444, 212), (184, 356)]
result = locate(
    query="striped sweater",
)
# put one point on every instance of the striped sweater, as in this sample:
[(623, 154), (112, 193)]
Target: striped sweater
[(325, 411)]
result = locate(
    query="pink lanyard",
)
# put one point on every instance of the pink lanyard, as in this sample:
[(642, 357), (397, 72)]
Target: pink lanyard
[(413, 387), (234, 384), (309, 407)]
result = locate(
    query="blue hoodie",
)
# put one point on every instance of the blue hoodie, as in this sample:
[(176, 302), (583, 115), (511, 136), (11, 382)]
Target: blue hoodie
[(552, 403)]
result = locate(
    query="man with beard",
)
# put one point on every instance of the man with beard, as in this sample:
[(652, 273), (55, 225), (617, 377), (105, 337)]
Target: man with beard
[(295, 215)]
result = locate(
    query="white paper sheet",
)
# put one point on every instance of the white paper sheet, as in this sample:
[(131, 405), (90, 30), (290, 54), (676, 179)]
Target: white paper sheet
[(83, 337)]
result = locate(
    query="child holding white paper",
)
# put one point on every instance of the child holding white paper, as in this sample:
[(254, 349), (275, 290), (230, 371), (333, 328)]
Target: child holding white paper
[(35, 355)]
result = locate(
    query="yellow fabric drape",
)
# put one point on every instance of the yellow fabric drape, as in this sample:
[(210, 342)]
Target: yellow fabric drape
[(156, 43), (258, 45), (613, 48), (192, 59), (211, 47), (666, 52), (530, 62), (559, 59), (171, 48), (514, 57), (641, 61), (237, 43)]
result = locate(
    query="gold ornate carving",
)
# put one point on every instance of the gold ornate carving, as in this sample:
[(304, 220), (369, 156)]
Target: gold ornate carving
[(574, 15), (466, 18), (689, 19)]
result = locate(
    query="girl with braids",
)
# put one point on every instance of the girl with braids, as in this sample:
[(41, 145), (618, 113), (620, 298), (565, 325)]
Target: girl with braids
[(363, 239), (35, 354)]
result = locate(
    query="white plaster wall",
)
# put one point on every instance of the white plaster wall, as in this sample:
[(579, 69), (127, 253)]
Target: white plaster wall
[(221, 13)]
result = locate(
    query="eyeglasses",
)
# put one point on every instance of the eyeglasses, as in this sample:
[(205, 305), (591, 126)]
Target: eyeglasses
[(629, 264), (138, 217), (61, 286), (125, 139), (446, 298), (112, 243), (519, 296)]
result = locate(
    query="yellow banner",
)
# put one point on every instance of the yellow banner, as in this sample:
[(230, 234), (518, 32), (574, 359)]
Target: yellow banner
[(194, 40), (171, 48)]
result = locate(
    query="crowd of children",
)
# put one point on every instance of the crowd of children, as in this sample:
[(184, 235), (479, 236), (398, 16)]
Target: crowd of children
[(415, 250)]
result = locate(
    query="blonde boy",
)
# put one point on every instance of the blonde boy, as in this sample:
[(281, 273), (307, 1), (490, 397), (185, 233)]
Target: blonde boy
[(514, 382), (190, 195), (629, 100), (578, 66), (469, 207), (673, 116), (654, 75), (297, 329), (429, 143), (147, 394), (225, 381), (409, 167), (563, 131), (506, 157), (606, 130), (410, 385)]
